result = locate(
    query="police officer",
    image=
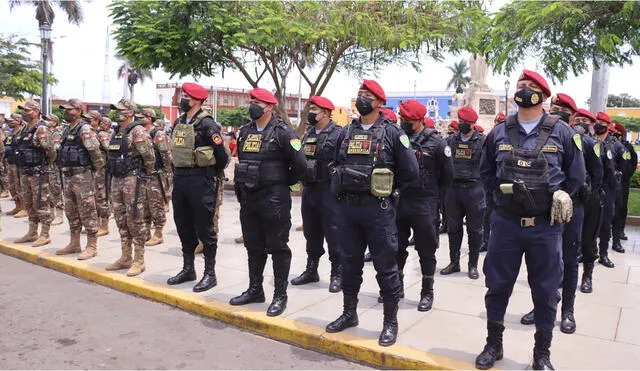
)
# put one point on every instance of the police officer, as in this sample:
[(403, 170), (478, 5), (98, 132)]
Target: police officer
[(564, 106), (532, 165), (465, 197), (318, 203), (615, 163), (622, 199), (270, 160), (374, 158), (13, 179), (452, 129), (131, 162), (57, 199), (486, 218), (79, 153), (418, 204), (100, 176), (35, 154), (198, 158)]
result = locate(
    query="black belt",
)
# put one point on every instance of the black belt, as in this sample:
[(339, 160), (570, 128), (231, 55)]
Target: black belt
[(359, 199), (185, 171), (465, 185), (524, 221), (71, 171)]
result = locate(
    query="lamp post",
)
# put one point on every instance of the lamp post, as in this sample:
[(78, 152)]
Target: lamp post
[(506, 97), (45, 36)]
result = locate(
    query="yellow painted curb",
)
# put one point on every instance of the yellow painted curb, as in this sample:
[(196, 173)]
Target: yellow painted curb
[(282, 329)]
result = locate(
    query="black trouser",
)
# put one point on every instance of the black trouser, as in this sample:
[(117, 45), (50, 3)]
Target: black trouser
[(426, 239), (620, 214), (591, 227), (318, 210), (607, 218), (194, 204), (571, 236), (442, 210), (486, 219), (461, 203)]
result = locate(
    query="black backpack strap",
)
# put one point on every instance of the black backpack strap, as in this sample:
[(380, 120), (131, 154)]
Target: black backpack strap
[(513, 130), (545, 129)]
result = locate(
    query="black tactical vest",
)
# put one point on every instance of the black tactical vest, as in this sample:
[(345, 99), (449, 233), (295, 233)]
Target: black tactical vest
[(119, 162), (425, 149), (72, 150), (261, 161), (318, 158), (27, 154), (9, 149), (528, 171), (466, 158), (159, 162)]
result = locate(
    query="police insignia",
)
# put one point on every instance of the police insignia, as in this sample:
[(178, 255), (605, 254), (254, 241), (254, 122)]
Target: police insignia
[(626, 156), (534, 99), (295, 144), (404, 139), (578, 141), (609, 154), (217, 139), (447, 151), (596, 149)]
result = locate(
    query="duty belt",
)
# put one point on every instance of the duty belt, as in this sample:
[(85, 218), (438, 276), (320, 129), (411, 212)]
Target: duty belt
[(465, 185), (359, 199), (186, 171), (71, 171), (524, 221)]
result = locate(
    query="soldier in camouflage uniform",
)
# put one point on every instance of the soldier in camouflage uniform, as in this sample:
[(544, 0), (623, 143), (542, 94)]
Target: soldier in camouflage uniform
[(156, 190), (4, 186), (13, 179), (100, 178), (57, 202), (106, 125), (131, 162), (35, 155), (79, 153)]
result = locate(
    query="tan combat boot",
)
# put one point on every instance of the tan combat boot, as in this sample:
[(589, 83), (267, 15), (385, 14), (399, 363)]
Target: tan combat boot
[(299, 228), (148, 236), (200, 248), (15, 210), (4, 194), (22, 213), (57, 220), (240, 239), (138, 262), (31, 235), (157, 238), (92, 248), (103, 230), (44, 238), (124, 262), (73, 247)]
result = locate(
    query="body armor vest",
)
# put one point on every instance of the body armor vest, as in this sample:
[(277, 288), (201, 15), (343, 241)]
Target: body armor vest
[(317, 158), (425, 150), (72, 150), (611, 180), (262, 163), (9, 149), (466, 159), (526, 171), (185, 153), (119, 162), (159, 161), (27, 154)]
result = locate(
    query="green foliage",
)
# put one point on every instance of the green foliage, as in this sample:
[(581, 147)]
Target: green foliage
[(635, 183), (622, 100), (19, 75), (235, 117), (563, 36), (460, 79), (157, 110), (629, 123)]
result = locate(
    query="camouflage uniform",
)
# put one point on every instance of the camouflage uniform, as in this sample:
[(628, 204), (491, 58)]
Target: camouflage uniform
[(57, 203), (4, 187), (130, 151), (13, 179), (157, 191)]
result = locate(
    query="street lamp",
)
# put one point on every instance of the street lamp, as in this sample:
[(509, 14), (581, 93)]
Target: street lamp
[(506, 97), (45, 36)]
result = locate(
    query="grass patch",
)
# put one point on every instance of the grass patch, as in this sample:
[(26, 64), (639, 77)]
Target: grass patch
[(634, 203)]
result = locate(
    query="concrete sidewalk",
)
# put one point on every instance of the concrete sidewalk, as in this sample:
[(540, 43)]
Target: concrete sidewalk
[(449, 336)]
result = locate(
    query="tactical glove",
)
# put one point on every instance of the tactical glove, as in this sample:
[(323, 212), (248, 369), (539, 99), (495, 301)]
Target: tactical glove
[(561, 207)]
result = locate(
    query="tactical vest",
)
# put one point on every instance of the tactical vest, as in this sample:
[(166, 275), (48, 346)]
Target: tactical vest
[(525, 173), (425, 150), (185, 153), (317, 160), (262, 163), (361, 169), (72, 150), (609, 163), (9, 149), (27, 154), (119, 162), (159, 161), (466, 159)]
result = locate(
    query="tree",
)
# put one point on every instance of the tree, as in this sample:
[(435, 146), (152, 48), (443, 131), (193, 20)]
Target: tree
[(235, 117), (45, 13), (269, 39), (459, 80), (563, 36), (133, 74), (19, 75), (622, 100)]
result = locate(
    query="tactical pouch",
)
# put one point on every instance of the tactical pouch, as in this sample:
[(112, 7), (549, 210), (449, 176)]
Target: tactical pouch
[(311, 174), (336, 181), (381, 182), (204, 156), (356, 178)]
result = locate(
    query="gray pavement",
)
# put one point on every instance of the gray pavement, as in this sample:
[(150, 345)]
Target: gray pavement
[(608, 320)]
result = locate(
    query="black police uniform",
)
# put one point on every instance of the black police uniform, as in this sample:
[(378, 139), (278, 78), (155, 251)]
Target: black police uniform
[(622, 199), (366, 220), (270, 160), (319, 205), (194, 201), (465, 198), (418, 208)]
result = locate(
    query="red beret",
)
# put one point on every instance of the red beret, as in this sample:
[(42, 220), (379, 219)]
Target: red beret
[(428, 121), (263, 95), (375, 88), (413, 110), (389, 114), (603, 117), (454, 124), (585, 113), (501, 117), (535, 77), (620, 129), (322, 102), (467, 114), (612, 128), (195, 91), (480, 129), (564, 100)]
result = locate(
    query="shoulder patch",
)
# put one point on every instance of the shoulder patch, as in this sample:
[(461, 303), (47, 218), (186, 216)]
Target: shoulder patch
[(295, 144), (609, 154), (596, 149), (217, 139), (447, 151), (404, 139), (626, 155), (578, 141)]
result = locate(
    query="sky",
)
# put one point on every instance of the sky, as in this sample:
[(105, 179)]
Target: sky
[(79, 65)]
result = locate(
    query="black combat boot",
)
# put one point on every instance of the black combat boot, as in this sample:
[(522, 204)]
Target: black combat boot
[(568, 323), (389, 332), (604, 256), (623, 236), (528, 319), (349, 316), (426, 295), (281, 266), (484, 246), (473, 272), (368, 257), (255, 292), (586, 286), (455, 241), (208, 280), (541, 352), (617, 246), (188, 272), (492, 351), (335, 281), (309, 275), (401, 278)]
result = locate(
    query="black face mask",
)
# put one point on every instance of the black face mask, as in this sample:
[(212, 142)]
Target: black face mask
[(618, 136), (464, 127), (184, 105), (407, 127), (70, 117), (312, 118), (600, 129), (255, 111), (27, 117), (581, 128), (364, 105), (563, 115), (527, 97)]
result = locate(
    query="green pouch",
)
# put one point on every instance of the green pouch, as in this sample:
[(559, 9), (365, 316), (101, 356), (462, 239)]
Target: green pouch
[(381, 182), (204, 156)]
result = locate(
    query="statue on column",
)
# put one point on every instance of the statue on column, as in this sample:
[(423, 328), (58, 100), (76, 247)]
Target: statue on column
[(479, 71)]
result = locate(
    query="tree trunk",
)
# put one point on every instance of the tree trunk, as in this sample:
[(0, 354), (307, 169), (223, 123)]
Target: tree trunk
[(131, 87), (599, 87)]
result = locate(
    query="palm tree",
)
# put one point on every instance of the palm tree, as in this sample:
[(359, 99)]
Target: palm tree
[(459, 80), (45, 13), (133, 74)]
